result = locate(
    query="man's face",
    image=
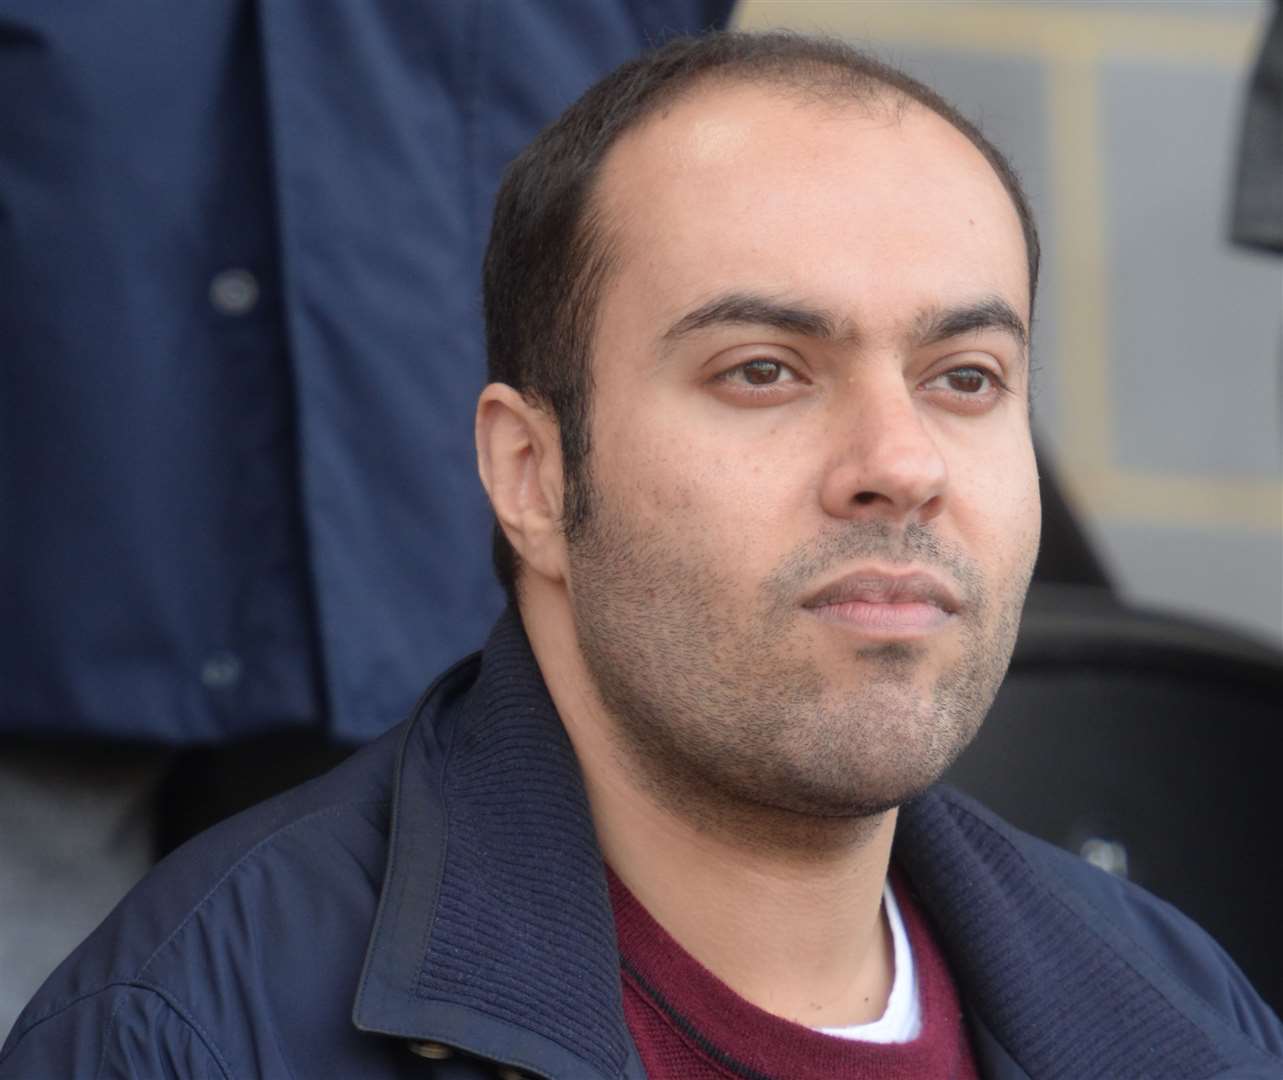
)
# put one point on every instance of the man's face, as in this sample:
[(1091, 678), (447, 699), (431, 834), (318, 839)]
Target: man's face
[(815, 503)]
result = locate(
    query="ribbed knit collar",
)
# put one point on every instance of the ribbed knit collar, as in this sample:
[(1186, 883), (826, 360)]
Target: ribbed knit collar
[(494, 931)]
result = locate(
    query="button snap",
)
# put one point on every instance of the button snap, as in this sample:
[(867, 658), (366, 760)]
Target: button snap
[(234, 292), (1108, 855), (434, 1051), (221, 672)]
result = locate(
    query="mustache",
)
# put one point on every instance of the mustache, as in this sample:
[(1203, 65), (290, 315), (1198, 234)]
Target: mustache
[(912, 545)]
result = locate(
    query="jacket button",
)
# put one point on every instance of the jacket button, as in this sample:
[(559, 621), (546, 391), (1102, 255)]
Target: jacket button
[(434, 1051), (234, 292), (510, 1074), (221, 671)]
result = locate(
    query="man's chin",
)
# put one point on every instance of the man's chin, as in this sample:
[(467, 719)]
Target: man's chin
[(872, 800), (829, 786)]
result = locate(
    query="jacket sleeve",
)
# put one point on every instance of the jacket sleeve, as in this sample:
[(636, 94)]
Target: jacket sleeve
[(123, 1032)]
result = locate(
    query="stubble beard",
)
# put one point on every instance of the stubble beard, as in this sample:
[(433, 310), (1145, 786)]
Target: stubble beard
[(722, 717)]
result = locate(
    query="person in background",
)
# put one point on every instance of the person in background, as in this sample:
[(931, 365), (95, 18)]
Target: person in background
[(757, 444), (239, 520)]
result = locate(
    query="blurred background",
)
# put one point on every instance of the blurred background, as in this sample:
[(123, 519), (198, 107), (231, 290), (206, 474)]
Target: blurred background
[(1157, 343), (224, 562)]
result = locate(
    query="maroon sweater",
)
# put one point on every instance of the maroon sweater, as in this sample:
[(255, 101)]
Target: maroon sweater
[(689, 1025)]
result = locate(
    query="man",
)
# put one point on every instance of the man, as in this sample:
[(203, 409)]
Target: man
[(758, 448)]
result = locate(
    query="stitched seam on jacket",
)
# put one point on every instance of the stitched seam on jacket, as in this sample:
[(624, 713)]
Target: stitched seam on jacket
[(272, 1025), (138, 982), (438, 874), (130, 984), (328, 811)]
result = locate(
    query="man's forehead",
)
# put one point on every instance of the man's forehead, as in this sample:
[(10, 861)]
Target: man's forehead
[(717, 119), (718, 128), (721, 184)]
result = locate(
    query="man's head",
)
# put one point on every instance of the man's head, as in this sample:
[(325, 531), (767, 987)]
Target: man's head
[(768, 303), (550, 252)]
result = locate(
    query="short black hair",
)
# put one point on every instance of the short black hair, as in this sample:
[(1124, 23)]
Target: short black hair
[(550, 251)]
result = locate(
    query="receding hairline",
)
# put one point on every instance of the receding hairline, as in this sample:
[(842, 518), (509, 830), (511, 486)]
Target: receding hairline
[(813, 88), (601, 222)]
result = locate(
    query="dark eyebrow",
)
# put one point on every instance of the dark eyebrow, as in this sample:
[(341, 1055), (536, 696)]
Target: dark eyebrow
[(930, 327), (991, 313), (745, 309)]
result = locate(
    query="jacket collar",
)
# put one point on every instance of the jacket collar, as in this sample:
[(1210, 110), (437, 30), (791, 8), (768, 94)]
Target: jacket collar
[(494, 931)]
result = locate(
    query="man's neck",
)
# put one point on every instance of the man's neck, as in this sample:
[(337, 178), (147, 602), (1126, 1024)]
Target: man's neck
[(784, 908), (802, 937)]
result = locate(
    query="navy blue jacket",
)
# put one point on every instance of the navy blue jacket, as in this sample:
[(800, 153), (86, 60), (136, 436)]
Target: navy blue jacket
[(442, 893), (241, 345)]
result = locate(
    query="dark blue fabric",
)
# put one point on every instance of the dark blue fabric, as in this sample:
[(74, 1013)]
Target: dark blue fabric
[(444, 885), (213, 525)]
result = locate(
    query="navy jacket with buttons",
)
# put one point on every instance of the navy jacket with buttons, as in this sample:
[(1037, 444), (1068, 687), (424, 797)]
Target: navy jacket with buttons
[(240, 347), (437, 906)]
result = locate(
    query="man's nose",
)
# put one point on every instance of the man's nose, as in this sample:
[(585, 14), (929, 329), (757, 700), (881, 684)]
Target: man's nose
[(886, 464)]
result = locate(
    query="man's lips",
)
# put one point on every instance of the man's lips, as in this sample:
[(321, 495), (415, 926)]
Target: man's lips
[(879, 602)]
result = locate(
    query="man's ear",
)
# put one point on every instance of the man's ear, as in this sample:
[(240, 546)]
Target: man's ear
[(519, 457)]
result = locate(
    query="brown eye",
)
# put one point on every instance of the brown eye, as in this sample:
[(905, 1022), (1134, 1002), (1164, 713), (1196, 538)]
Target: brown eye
[(968, 381), (762, 372), (760, 381)]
